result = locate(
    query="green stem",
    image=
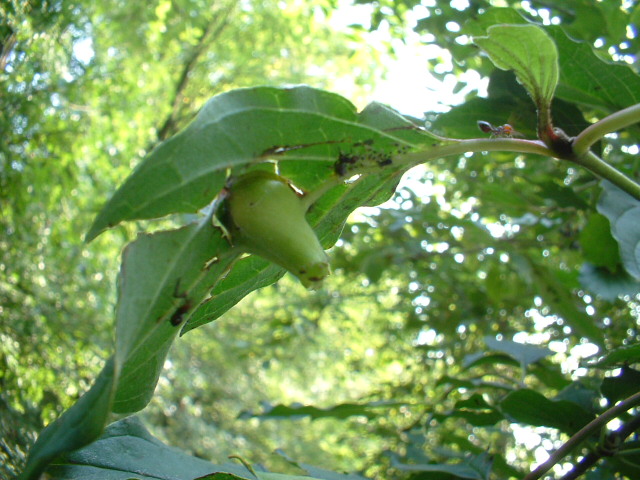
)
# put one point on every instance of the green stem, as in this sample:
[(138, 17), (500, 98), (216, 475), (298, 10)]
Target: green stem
[(602, 169), (588, 160), (584, 433), (614, 122), (475, 145)]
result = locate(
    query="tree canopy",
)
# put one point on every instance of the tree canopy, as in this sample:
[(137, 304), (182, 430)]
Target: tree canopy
[(481, 317)]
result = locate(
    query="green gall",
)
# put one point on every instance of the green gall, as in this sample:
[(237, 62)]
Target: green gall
[(266, 217)]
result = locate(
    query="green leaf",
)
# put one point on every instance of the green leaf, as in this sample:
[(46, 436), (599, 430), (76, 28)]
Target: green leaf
[(598, 246), (245, 126), (606, 283), (582, 392), (221, 476), (164, 276), (532, 408), (524, 354), (247, 275), (623, 212), (341, 411), (585, 77), (482, 358), (474, 467), (589, 80), (127, 450), (620, 387), (530, 53), (619, 356), (550, 374), (317, 472), (78, 426), (478, 25), (474, 410)]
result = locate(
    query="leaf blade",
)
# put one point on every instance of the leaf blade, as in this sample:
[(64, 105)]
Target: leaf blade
[(530, 53)]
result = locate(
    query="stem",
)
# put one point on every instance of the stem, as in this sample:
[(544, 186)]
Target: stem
[(612, 123), (584, 433), (602, 169), (475, 145), (589, 160)]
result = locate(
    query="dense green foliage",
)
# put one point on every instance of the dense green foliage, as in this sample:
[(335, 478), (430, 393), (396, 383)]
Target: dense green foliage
[(458, 315)]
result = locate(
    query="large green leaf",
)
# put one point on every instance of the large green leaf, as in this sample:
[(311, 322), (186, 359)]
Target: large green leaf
[(530, 53), (127, 450), (163, 277), (246, 126), (588, 79), (598, 246)]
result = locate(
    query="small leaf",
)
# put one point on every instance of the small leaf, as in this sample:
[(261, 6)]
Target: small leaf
[(474, 410), (525, 354), (344, 410), (530, 53), (483, 358)]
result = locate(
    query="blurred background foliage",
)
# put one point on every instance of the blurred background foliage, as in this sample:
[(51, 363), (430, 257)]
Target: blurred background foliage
[(470, 249)]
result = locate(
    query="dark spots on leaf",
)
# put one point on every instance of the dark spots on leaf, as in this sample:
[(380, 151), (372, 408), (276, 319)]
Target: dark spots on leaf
[(343, 163), (178, 315)]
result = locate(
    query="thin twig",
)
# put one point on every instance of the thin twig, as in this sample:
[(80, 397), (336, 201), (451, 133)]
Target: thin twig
[(208, 34), (584, 433), (614, 438)]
